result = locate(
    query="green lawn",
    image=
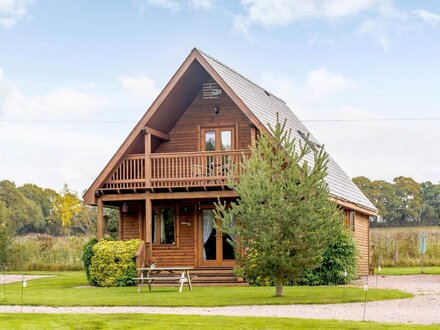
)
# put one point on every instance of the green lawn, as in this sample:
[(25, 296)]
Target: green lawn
[(63, 290), (142, 321), (408, 270)]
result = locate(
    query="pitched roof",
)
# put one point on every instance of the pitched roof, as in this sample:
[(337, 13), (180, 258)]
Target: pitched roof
[(258, 104), (264, 106)]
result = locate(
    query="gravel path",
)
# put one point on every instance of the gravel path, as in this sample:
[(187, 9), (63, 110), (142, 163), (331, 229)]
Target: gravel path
[(19, 278), (424, 308)]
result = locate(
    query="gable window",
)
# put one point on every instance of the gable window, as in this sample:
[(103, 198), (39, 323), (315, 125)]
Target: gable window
[(164, 225)]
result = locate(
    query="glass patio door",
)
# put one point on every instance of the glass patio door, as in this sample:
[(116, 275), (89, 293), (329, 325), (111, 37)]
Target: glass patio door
[(214, 245)]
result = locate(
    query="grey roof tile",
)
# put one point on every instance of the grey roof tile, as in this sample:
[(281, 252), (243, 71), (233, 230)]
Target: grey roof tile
[(265, 107)]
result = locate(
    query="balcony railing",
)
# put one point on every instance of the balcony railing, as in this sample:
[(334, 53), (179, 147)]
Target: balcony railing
[(173, 170)]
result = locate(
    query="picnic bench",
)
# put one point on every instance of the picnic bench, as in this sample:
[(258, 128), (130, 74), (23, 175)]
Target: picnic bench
[(149, 275)]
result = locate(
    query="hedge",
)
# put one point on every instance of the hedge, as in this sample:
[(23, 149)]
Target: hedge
[(113, 263)]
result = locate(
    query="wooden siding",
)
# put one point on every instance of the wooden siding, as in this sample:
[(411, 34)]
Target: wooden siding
[(183, 253), (130, 225), (185, 135), (361, 237)]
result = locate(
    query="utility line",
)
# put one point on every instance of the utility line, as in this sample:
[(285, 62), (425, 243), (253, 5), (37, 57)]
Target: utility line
[(134, 121)]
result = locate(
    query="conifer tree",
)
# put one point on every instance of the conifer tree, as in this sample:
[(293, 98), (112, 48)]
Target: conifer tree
[(283, 220)]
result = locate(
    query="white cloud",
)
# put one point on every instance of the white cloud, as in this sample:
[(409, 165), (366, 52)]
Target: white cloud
[(52, 154), (428, 16), (283, 12), (174, 5), (141, 87), (378, 19), (11, 11), (165, 4), (323, 83), (377, 149), (55, 104), (202, 4)]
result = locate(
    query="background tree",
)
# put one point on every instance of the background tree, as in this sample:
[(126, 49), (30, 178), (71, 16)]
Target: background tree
[(431, 204), (67, 206), (5, 235), (409, 193), (24, 215), (285, 218)]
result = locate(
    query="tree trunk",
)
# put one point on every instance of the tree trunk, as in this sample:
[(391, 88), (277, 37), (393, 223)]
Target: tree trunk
[(278, 286)]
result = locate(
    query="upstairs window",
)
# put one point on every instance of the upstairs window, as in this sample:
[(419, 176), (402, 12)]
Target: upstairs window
[(164, 223)]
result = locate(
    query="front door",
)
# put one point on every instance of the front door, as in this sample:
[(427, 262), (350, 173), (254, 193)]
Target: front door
[(214, 246)]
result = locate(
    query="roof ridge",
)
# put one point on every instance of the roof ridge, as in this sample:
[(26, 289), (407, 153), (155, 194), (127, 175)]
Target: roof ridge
[(238, 73)]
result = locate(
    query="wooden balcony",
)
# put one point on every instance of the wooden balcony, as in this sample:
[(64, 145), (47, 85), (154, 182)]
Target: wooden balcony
[(177, 170)]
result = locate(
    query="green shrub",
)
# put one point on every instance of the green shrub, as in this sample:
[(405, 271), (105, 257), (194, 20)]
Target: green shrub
[(87, 257), (113, 263), (339, 257)]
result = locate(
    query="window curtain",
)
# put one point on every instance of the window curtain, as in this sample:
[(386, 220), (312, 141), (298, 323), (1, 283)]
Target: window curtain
[(208, 226), (162, 227), (233, 222)]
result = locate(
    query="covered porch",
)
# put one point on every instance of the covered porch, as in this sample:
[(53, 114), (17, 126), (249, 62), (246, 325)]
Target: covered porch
[(177, 228)]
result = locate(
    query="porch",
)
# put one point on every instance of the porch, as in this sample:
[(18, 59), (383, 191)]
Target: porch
[(177, 232)]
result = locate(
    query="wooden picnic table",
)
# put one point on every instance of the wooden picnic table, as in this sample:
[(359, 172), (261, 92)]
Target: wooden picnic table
[(150, 274)]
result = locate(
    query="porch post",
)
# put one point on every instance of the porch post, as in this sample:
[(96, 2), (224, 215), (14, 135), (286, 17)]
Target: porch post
[(147, 159), (148, 225), (100, 220)]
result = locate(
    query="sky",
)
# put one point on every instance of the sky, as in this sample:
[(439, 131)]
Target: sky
[(76, 76)]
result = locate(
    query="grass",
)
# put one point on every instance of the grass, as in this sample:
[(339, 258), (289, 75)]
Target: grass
[(142, 321), (409, 270), (63, 290)]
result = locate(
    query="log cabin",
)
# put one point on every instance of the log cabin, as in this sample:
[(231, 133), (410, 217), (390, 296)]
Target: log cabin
[(173, 166)]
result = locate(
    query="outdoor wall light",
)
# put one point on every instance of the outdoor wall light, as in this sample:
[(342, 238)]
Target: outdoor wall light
[(124, 207), (216, 109)]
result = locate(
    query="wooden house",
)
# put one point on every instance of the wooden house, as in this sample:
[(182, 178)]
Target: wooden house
[(174, 164)]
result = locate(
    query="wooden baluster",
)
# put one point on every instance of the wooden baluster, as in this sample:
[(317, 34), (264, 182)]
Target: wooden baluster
[(147, 160)]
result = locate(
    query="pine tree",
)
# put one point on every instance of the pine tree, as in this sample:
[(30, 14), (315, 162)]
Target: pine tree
[(285, 219)]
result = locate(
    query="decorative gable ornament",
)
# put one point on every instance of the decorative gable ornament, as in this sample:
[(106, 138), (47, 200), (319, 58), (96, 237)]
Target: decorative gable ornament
[(211, 90)]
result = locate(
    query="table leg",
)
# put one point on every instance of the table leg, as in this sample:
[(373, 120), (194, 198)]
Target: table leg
[(182, 278), (189, 280)]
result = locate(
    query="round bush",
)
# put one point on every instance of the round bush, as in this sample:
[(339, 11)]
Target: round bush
[(339, 257), (113, 263)]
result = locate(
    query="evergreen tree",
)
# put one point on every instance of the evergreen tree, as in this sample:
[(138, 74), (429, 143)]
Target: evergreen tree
[(285, 219)]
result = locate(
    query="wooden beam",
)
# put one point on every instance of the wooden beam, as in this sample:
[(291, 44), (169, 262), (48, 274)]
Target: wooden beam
[(148, 220), (157, 133), (89, 197), (147, 160), (122, 197), (354, 207), (100, 220), (195, 194), (121, 228)]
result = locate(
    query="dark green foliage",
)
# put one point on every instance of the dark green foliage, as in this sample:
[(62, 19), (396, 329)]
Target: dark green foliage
[(5, 237), (339, 257), (402, 203), (87, 257)]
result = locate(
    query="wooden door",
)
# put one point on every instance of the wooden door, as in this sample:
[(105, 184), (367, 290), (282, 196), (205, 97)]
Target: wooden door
[(214, 247)]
